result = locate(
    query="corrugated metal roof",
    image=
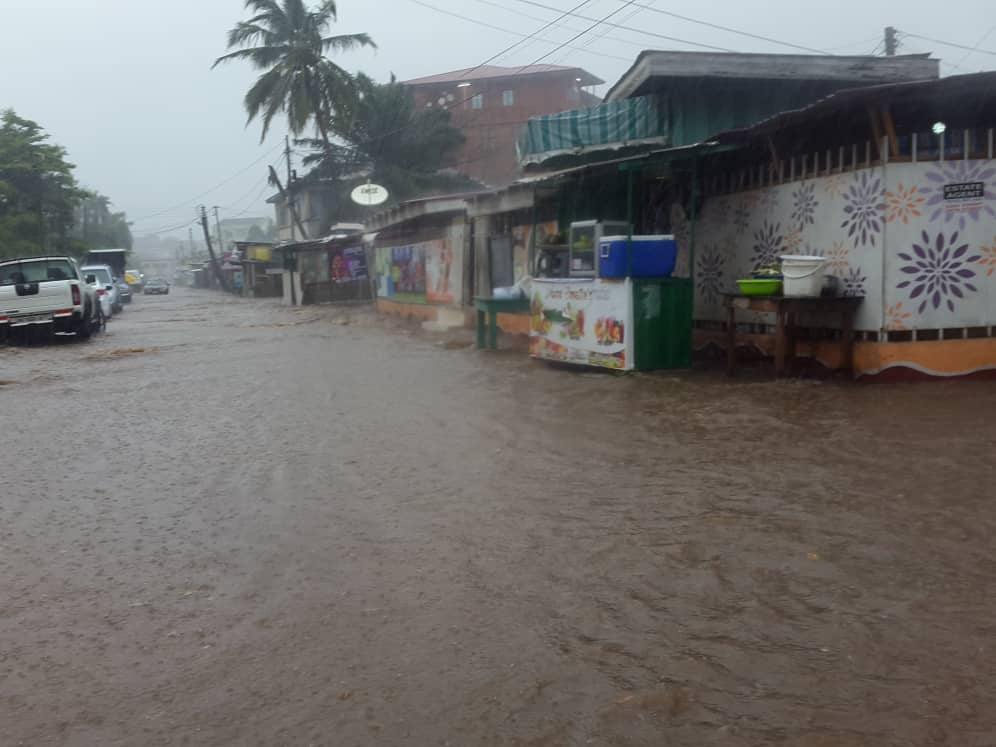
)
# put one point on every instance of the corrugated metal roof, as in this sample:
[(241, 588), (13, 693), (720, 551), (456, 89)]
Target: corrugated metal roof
[(974, 86), (485, 72)]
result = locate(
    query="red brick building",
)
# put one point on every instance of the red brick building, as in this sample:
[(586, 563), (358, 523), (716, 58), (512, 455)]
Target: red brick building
[(491, 104)]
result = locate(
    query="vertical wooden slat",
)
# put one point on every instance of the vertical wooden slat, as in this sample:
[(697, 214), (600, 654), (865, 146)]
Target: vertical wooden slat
[(967, 139), (913, 147)]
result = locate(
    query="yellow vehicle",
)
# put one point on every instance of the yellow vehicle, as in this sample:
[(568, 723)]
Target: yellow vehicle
[(134, 279)]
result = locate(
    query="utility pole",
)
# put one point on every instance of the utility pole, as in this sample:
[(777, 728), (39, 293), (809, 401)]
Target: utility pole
[(190, 246), (214, 260), (891, 41), (287, 195), (217, 225)]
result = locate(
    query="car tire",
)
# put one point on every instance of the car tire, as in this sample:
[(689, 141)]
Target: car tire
[(84, 328)]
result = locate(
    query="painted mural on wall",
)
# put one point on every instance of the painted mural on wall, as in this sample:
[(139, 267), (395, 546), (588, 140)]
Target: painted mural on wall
[(917, 241), (440, 284), (401, 273), (427, 272)]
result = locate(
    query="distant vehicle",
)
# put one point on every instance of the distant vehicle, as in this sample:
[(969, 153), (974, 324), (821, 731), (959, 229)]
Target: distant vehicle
[(105, 280), (47, 291), (134, 280), (156, 287), (124, 290)]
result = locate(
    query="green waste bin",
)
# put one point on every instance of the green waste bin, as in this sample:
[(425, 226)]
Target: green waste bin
[(662, 319)]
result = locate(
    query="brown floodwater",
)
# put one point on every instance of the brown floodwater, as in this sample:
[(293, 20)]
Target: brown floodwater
[(224, 522)]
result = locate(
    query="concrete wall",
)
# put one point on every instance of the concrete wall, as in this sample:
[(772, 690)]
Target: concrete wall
[(916, 240)]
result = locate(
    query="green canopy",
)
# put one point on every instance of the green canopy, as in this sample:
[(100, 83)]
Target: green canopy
[(611, 126)]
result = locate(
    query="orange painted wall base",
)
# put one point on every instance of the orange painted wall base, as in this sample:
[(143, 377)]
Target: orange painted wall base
[(888, 360)]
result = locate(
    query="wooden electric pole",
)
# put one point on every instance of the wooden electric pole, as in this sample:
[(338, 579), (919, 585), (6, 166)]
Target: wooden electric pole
[(217, 225), (891, 41), (214, 260)]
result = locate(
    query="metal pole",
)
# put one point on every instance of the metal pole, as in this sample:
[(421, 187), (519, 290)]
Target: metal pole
[(629, 222), (694, 213)]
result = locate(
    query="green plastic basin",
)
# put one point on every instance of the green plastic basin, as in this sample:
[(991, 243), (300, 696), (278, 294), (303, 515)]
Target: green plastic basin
[(760, 287)]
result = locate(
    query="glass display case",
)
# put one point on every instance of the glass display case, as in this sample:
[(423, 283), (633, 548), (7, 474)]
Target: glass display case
[(583, 242)]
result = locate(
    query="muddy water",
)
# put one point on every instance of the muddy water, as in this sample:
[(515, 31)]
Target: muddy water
[(227, 523)]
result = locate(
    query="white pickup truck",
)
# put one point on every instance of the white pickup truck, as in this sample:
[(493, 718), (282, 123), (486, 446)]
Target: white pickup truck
[(47, 290)]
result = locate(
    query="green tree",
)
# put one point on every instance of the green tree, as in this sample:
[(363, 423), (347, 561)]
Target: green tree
[(100, 228), (38, 193), (387, 139), (288, 40)]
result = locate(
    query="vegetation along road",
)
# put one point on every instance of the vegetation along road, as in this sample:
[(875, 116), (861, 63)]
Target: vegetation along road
[(225, 522)]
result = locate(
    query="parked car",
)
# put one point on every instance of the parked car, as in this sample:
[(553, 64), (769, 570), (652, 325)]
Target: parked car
[(156, 287), (103, 295), (47, 291), (104, 280), (124, 290)]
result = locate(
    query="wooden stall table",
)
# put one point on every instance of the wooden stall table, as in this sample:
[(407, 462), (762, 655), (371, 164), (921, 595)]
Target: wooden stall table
[(786, 311), (488, 310)]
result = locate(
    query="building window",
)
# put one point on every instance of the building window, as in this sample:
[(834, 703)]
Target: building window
[(508, 98), (477, 102)]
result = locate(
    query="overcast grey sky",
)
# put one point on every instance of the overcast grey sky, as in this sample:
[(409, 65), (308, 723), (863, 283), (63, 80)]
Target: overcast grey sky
[(126, 85)]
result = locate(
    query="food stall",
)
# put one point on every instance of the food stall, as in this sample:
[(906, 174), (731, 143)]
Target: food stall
[(628, 315)]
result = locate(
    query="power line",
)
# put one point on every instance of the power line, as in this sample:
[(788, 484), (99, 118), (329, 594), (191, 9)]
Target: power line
[(852, 45), (204, 194), (631, 28), (977, 44), (729, 29), (485, 24), (948, 44), (574, 38), (605, 32)]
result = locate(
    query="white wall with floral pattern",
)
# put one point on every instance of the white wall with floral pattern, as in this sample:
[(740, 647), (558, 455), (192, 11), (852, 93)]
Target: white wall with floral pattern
[(923, 257)]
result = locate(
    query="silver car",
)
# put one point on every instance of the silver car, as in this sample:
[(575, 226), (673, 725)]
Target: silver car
[(105, 281)]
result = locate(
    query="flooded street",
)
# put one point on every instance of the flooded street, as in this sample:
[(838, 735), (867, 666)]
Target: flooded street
[(229, 523)]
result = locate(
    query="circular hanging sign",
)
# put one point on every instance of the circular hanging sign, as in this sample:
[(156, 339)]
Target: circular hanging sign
[(369, 195)]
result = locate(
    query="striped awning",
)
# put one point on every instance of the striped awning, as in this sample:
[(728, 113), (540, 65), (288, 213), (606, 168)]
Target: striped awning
[(611, 126)]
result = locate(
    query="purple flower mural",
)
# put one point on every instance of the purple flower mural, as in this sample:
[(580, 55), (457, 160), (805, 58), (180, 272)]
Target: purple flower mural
[(804, 206), (864, 209), (709, 275), (854, 283), (939, 271), (768, 245), (948, 173)]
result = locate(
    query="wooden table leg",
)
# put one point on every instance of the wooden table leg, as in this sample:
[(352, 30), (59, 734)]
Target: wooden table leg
[(790, 341), (847, 340), (780, 344), (731, 341), (481, 317), (493, 330)]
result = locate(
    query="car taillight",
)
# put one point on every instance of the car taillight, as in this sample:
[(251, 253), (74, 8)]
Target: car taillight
[(76, 295), (100, 291)]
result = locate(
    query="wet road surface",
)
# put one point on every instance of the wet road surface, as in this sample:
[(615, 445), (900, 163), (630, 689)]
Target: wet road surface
[(229, 523)]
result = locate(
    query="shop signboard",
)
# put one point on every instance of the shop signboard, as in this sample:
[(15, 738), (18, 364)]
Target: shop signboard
[(587, 322), (348, 264)]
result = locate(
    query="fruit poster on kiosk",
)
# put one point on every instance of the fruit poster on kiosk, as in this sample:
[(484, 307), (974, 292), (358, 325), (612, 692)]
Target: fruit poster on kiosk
[(588, 322)]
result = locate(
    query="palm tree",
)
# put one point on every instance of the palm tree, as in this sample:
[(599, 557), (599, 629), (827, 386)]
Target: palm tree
[(288, 40), (384, 137)]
